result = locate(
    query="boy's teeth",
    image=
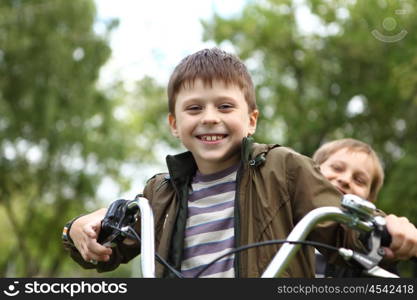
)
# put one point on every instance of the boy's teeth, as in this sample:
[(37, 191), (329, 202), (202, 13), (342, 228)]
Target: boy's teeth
[(211, 137)]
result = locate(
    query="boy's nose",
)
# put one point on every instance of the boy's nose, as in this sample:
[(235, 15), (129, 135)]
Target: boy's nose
[(210, 116), (343, 180)]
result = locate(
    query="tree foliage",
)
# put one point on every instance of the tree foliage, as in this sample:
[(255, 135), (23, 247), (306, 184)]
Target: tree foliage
[(346, 74), (334, 69), (58, 133), (336, 78)]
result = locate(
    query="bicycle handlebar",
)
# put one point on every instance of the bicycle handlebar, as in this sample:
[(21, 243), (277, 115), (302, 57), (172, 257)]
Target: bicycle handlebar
[(148, 238), (281, 260), (358, 215)]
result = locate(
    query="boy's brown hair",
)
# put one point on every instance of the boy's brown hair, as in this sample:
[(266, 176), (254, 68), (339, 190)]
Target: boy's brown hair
[(325, 151), (209, 65)]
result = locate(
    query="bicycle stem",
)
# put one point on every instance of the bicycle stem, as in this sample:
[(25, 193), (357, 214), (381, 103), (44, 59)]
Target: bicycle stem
[(281, 260)]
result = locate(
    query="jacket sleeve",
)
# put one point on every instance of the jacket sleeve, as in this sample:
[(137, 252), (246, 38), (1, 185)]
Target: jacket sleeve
[(121, 253)]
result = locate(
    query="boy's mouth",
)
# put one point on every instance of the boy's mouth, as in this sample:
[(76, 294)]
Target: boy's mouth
[(341, 190), (211, 137)]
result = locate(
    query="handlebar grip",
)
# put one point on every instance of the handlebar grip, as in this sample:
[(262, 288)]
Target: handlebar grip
[(386, 241), (385, 238), (115, 215)]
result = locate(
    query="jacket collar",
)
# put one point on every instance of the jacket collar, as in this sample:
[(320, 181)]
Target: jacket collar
[(183, 165)]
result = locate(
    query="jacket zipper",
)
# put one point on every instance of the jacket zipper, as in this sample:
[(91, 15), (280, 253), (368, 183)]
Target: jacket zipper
[(178, 238), (237, 220), (258, 160)]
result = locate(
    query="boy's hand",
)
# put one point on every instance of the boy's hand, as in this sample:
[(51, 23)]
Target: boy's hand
[(84, 232), (404, 238)]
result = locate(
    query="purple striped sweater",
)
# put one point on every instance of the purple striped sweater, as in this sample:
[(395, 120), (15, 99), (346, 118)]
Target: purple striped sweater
[(210, 224)]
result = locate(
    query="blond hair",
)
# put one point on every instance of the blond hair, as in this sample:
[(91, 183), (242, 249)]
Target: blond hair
[(326, 150)]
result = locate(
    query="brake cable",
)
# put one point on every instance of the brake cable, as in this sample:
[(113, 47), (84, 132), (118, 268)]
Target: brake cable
[(265, 243), (132, 234)]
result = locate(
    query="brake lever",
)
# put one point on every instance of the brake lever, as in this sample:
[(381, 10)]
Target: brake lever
[(120, 215), (375, 241), (370, 261), (380, 272)]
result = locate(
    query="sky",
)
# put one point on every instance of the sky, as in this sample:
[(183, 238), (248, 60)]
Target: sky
[(153, 36)]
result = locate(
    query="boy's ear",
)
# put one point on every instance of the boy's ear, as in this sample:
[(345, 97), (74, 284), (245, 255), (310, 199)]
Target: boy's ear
[(253, 119), (173, 125)]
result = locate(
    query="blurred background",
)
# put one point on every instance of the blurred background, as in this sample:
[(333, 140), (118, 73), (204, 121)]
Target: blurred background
[(83, 102)]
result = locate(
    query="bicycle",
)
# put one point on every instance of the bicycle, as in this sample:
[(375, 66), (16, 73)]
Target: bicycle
[(356, 213)]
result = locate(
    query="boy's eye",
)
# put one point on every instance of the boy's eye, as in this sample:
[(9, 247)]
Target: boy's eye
[(193, 107), (361, 181), (337, 168), (225, 106)]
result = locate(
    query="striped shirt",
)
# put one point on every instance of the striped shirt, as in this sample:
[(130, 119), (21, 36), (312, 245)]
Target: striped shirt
[(209, 230)]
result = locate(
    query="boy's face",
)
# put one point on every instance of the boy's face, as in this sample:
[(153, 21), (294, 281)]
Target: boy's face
[(211, 122), (350, 171)]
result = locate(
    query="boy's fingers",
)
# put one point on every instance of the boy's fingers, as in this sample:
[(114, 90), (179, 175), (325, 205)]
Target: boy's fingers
[(404, 237), (89, 231), (90, 249), (92, 229), (389, 254), (97, 252), (91, 257), (96, 225), (84, 252)]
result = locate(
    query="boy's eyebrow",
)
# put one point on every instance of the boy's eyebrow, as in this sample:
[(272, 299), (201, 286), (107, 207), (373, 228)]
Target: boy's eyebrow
[(198, 99), (191, 100), (339, 162), (226, 98)]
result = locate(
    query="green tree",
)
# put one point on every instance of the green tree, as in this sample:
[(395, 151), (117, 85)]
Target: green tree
[(336, 79), (58, 133), (333, 69), (146, 111)]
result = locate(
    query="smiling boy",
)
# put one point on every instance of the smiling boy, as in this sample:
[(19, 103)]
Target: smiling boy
[(225, 191), (211, 123), (352, 167)]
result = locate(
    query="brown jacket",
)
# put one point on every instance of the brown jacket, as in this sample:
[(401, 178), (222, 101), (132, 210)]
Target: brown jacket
[(276, 187)]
